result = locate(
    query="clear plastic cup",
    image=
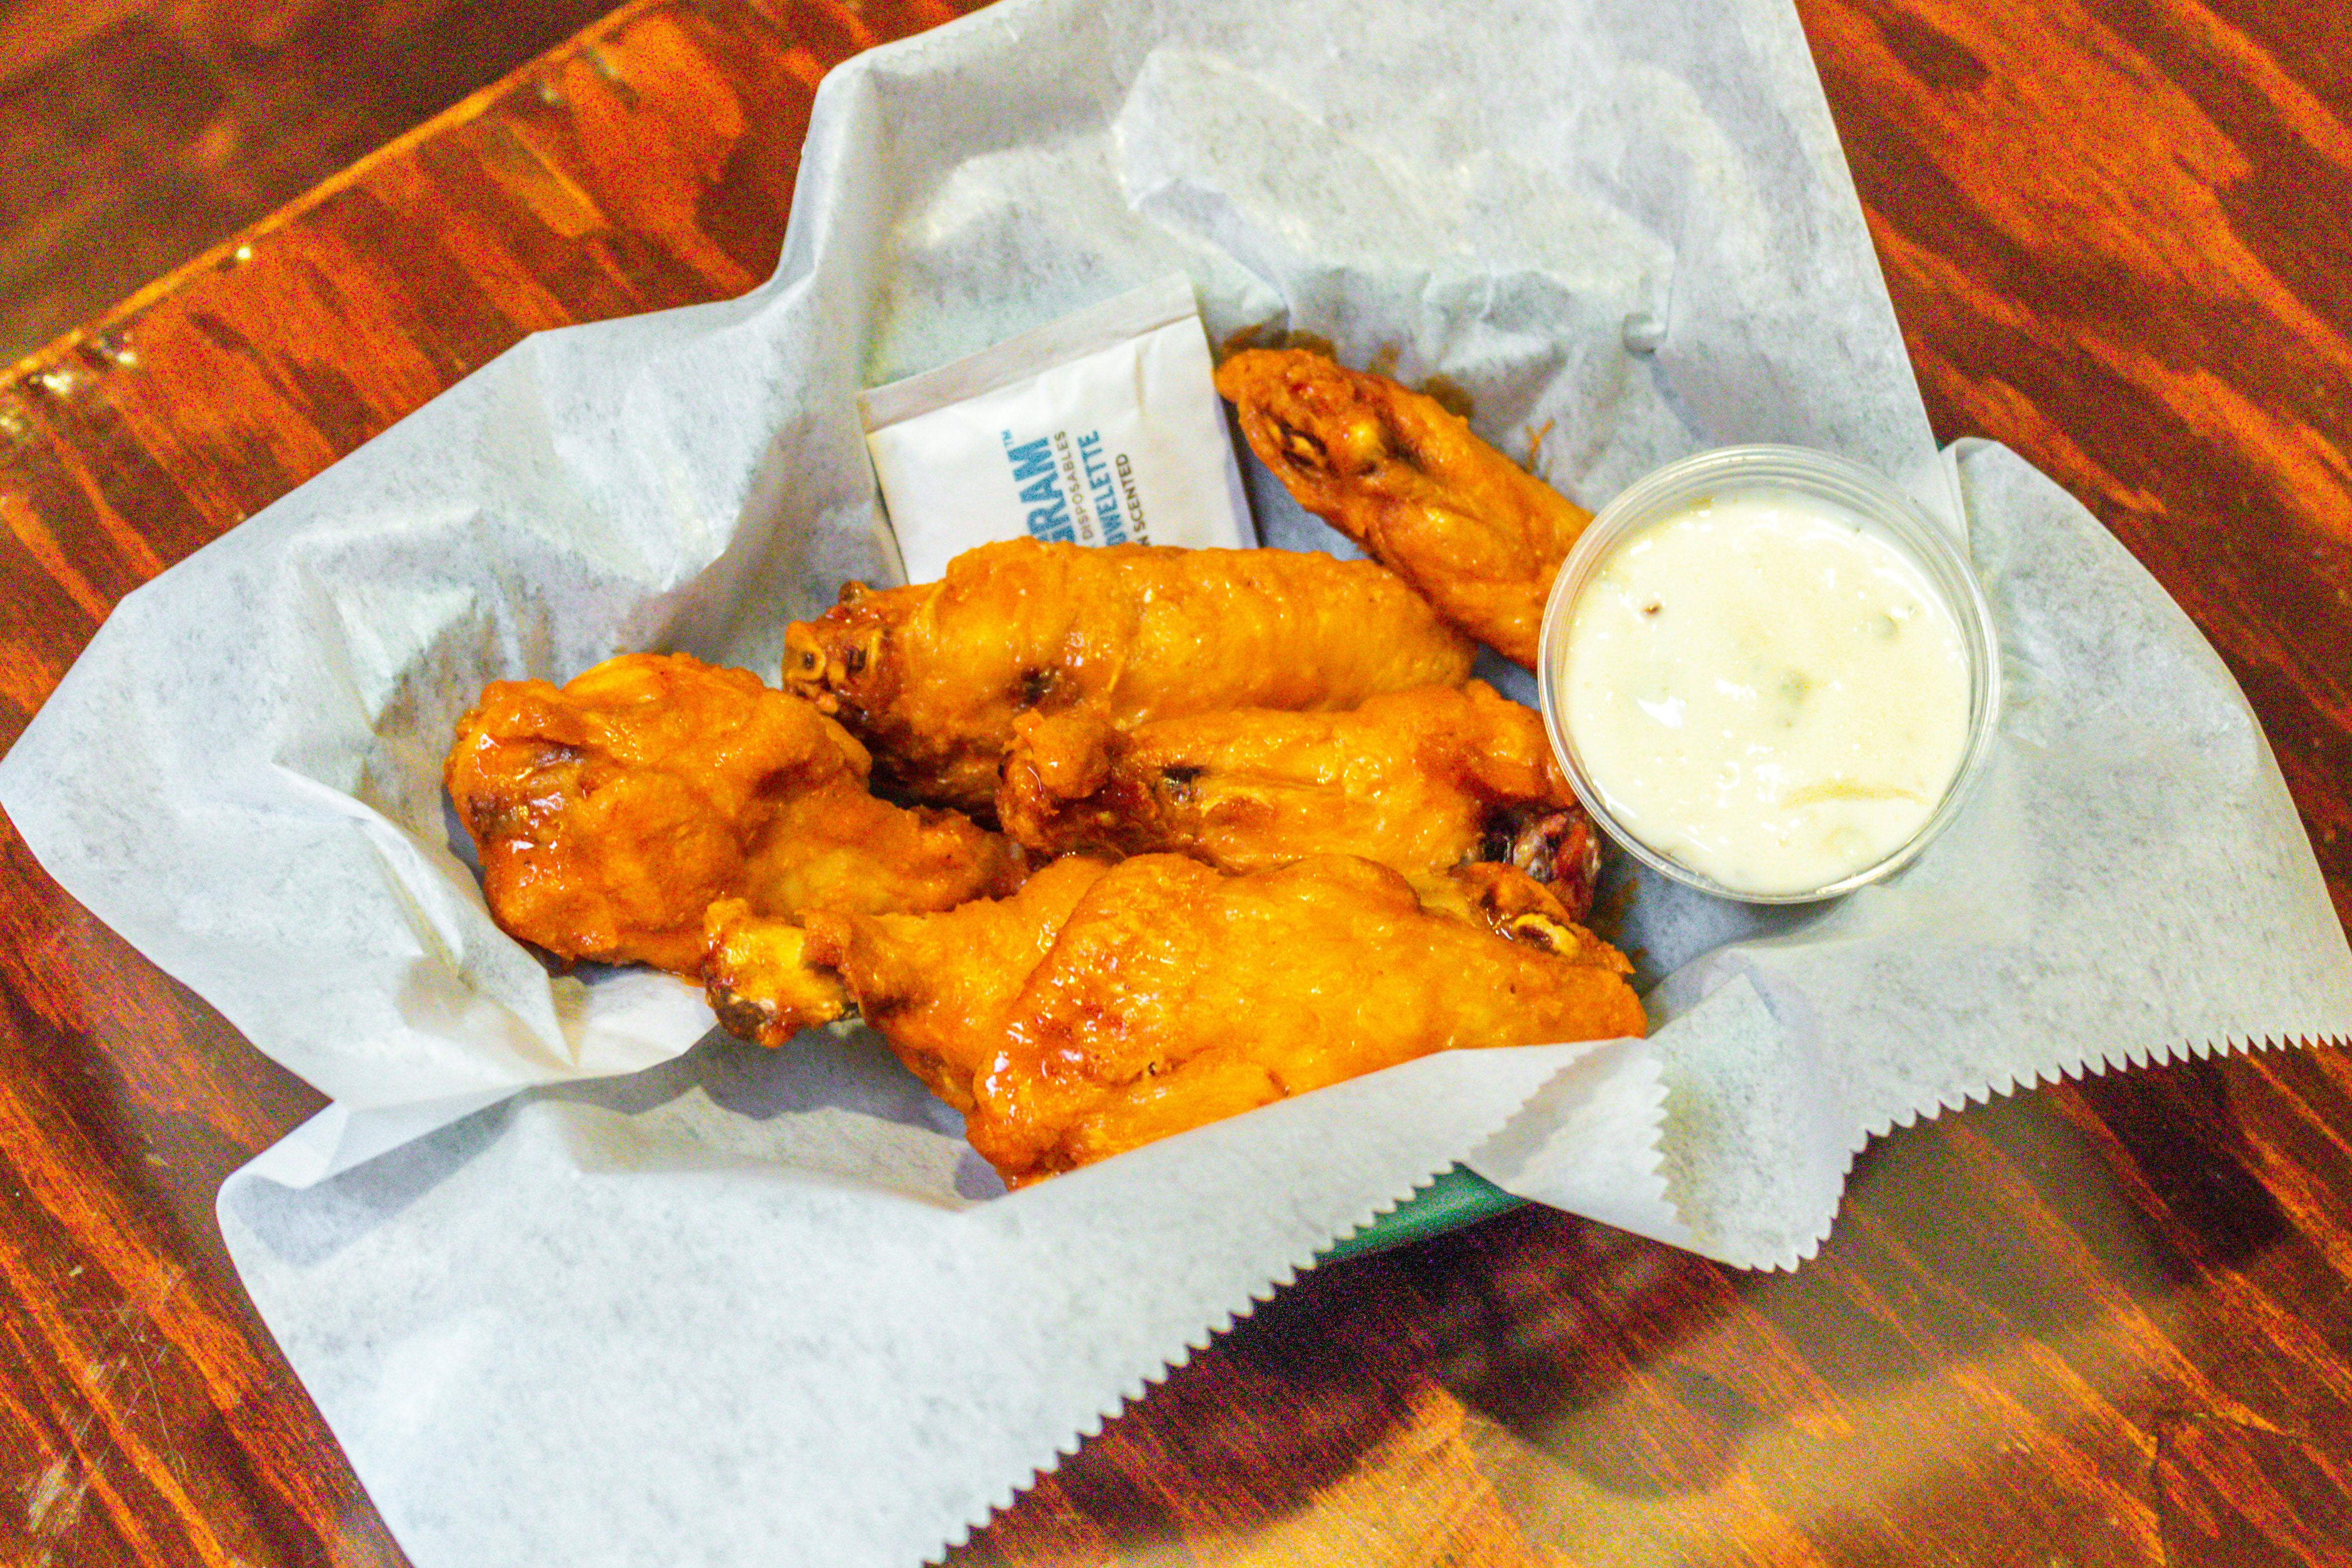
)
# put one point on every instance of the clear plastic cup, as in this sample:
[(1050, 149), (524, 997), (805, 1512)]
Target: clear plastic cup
[(1847, 490)]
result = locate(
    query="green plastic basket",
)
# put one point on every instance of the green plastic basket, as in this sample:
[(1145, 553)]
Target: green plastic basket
[(1460, 1196)]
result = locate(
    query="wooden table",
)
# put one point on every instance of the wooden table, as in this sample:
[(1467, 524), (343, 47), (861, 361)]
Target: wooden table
[(2100, 1323)]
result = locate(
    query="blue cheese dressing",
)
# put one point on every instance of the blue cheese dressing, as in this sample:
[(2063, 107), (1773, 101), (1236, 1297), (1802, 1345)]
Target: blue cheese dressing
[(1765, 692)]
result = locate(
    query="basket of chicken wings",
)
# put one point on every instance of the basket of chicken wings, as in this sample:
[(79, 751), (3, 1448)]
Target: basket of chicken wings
[(1107, 842)]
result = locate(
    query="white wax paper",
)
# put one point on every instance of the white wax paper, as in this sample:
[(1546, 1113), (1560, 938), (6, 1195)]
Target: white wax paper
[(749, 1307)]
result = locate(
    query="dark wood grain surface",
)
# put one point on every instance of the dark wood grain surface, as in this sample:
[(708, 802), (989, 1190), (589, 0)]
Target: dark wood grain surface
[(2100, 1323), (134, 133)]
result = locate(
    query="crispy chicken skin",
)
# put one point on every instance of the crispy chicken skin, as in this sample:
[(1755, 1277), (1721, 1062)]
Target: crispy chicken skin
[(932, 676), (1421, 782), (1104, 1006), (770, 990), (1407, 480), (609, 813), (930, 982)]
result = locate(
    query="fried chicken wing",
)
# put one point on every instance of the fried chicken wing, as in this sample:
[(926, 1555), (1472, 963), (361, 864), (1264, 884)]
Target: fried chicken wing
[(932, 676), (1421, 782), (1104, 1006), (930, 982), (770, 989), (1407, 480), (608, 814)]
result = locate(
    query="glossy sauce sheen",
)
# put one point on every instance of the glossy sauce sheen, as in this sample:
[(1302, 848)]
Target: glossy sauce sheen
[(1766, 692)]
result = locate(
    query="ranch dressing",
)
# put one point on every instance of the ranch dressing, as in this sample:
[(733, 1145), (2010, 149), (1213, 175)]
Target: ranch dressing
[(1765, 692)]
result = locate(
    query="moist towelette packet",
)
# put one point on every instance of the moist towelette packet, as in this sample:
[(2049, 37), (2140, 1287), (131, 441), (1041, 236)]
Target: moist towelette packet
[(1102, 428)]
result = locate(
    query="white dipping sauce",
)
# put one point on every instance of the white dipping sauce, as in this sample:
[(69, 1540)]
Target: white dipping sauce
[(1766, 692)]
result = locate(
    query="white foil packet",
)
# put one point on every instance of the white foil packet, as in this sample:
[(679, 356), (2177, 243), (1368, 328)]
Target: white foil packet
[(1102, 428)]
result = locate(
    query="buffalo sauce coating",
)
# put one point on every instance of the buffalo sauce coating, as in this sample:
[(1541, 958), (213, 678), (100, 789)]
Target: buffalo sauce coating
[(1103, 1006), (932, 677), (610, 812)]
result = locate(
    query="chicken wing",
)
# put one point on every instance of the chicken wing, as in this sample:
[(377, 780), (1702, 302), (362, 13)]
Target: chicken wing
[(1421, 782), (932, 677), (1407, 480), (1104, 1006), (610, 813), (930, 982)]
